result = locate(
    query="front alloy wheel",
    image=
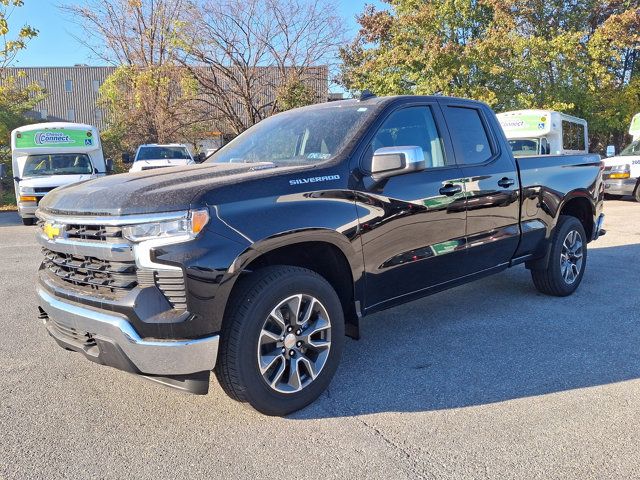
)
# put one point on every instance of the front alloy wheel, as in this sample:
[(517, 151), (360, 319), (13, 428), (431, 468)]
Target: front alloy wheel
[(282, 339), (294, 343)]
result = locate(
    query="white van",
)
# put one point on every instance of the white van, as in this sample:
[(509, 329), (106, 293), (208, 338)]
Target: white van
[(152, 156), (544, 132), (622, 172), (50, 155)]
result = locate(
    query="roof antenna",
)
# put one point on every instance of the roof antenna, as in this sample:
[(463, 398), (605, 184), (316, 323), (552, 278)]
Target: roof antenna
[(366, 94)]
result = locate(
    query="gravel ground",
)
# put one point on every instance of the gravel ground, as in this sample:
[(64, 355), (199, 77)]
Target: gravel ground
[(489, 380)]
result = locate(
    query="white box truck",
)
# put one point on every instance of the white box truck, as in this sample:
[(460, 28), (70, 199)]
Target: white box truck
[(544, 132), (49, 155), (622, 172)]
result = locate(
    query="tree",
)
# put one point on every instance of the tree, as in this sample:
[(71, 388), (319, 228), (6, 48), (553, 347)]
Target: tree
[(153, 104), (577, 56), (252, 58), (149, 98), (15, 99)]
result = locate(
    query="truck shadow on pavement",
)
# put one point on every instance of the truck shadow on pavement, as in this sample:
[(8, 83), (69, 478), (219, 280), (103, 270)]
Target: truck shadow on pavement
[(492, 341)]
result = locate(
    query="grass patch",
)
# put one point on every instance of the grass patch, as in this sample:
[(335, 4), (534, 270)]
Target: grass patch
[(7, 199)]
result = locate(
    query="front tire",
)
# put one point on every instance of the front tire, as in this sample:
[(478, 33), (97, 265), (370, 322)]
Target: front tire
[(28, 221), (567, 260), (282, 339)]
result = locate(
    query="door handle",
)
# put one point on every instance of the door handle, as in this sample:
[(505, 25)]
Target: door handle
[(450, 189), (506, 182)]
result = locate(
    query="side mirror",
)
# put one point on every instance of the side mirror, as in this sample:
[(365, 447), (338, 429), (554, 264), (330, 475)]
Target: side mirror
[(611, 150), (126, 158), (3, 171), (109, 164), (200, 157), (392, 161)]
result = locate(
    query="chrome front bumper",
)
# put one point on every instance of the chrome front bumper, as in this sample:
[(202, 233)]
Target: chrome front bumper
[(620, 187), (110, 339), (28, 210)]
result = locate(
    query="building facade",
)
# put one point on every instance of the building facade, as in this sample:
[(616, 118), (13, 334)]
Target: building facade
[(72, 93)]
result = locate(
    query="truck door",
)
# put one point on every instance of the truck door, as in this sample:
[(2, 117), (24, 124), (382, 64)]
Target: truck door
[(491, 185), (412, 225)]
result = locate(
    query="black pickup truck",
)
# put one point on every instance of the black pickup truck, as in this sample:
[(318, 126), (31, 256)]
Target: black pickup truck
[(258, 262)]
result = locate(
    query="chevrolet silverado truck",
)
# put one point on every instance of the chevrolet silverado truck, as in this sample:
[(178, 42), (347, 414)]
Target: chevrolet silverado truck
[(257, 263)]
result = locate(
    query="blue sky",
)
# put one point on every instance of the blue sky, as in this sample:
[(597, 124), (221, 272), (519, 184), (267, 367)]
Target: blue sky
[(55, 45)]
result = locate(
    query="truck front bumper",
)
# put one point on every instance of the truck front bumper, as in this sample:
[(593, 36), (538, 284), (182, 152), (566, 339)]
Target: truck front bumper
[(27, 210), (620, 187), (109, 339)]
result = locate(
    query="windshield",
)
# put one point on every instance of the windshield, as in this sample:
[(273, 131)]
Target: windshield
[(524, 146), (304, 136), (162, 153), (57, 164), (632, 149)]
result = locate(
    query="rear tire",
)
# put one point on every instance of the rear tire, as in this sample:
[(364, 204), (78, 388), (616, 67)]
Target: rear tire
[(255, 365), (636, 194), (28, 221), (567, 260)]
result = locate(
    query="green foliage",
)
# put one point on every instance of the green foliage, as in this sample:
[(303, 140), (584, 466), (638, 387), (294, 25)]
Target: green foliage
[(17, 96), (152, 104), (575, 56), (293, 94)]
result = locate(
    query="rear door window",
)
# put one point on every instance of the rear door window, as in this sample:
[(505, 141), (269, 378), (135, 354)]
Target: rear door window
[(469, 135)]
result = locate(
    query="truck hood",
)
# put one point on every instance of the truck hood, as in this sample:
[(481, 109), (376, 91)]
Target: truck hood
[(52, 180), (151, 191), (615, 161), (161, 162)]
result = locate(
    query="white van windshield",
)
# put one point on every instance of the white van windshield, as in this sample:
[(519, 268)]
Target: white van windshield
[(57, 164), (524, 146), (632, 149)]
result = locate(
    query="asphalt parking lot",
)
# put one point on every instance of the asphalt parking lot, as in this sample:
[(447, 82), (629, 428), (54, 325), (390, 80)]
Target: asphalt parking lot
[(489, 380)]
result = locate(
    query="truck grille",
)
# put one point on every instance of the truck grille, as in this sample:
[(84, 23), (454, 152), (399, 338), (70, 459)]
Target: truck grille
[(94, 232), (98, 260), (91, 273)]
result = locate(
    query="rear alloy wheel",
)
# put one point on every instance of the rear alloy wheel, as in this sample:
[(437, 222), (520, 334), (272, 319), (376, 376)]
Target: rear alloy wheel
[(282, 339), (567, 260)]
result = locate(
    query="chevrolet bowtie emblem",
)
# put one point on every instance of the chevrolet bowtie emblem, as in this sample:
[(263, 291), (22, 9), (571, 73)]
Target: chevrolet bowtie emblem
[(51, 231)]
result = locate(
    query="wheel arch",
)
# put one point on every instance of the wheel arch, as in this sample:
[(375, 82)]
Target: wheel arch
[(325, 252)]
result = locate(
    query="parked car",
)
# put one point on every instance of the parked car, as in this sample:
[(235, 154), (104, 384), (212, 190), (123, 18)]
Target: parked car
[(48, 155), (152, 156), (258, 262)]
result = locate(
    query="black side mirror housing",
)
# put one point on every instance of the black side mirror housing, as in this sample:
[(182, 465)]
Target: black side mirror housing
[(200, 157), (126, 158), (109, 165)]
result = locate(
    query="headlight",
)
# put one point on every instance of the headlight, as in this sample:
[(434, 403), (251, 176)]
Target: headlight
[(620, 171), (188, 227)]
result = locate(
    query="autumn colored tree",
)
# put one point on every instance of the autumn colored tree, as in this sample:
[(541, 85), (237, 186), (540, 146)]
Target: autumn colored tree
[(577, 56), (16, 99)]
